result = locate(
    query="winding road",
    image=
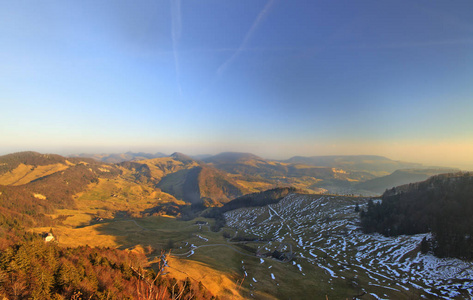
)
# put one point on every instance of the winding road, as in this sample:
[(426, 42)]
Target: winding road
[(210, 245)]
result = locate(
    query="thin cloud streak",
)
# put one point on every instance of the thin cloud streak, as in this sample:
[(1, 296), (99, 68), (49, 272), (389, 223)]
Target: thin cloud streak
[(247, 38), (247, 49), (176, 34)]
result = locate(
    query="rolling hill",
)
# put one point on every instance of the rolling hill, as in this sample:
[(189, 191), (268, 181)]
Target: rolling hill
[(336, 174), (153, 170), (246, 164), (34, 185), (186, 179), (24, 167), (248, 168), (201, 184)]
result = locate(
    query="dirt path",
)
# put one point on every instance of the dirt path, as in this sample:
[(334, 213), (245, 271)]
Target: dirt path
[(136, 223)]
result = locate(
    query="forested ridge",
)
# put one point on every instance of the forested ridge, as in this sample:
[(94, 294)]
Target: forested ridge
[(28, 204), (442, 205), (31, 268)]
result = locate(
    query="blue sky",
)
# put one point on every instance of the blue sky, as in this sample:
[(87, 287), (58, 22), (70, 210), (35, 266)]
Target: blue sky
[(276, 78)]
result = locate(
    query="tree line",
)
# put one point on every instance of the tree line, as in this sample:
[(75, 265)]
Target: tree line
[(34, 269)]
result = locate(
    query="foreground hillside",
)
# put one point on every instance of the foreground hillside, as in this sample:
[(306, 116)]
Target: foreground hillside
[(37, 270), (303, 245), (333, 257)]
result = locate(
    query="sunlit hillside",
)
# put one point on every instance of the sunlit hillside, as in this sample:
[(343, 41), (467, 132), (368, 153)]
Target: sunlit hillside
[(199, 226)]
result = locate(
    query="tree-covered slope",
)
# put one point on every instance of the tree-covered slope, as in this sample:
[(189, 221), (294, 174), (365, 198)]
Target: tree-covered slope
[(443, 204), (33, 269), (26, 204)]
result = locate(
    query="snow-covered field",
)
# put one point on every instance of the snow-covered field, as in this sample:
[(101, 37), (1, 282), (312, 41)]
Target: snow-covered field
[(323, 231)]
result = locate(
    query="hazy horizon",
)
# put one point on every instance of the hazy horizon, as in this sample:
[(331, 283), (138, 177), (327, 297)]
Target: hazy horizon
[(273, 78), (92, 151)]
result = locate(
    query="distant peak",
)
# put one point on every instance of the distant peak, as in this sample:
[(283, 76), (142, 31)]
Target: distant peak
[(181, 157), (160, 154), (233, 156)]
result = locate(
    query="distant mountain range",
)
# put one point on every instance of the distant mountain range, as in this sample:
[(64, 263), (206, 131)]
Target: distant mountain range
[(376, 165), (120, 157), (115, 158), (209, 180), (360, 174)]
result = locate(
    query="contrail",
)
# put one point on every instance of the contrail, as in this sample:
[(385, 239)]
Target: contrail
[(247, 38), (176, 34)]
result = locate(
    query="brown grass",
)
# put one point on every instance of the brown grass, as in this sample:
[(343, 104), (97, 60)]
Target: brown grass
[(255, 186), (27, 173), (225, 285), (74, 237), (160, 167)]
